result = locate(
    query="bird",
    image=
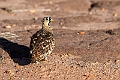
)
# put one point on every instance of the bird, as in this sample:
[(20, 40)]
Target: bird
[(42, 42)]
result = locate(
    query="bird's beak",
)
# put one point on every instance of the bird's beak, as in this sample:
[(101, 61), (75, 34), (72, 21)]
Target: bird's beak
[(52, 20)]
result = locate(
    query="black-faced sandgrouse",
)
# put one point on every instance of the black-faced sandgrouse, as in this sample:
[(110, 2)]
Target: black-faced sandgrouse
[(42, 42)]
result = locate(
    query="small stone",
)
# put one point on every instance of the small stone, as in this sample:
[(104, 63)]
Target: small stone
[(63, 26), (50, 2), (39, 27), (25, 68), (19, 67), (9, 72), (57, 9), (90, 13), (32, 11), (36, 6), (8, 26), (13, 25), (36, 18), (117, 61), (84, 77), (69, 54), (81, 33), (91, 76), (25, 28), (12, 14), (115, 14), (103, 9)]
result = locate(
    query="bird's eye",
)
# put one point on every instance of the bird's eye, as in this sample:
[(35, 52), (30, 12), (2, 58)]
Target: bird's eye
[(49, 19), (46, 18)]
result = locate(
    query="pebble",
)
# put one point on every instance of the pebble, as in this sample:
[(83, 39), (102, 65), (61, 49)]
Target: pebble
[(63, 27), (57, 9), (8, 26), (35, 6), (103, 9), (13, 25), (90, 13), (9, 72), (36, 18), (115, 14), (19, 67), (81, 33), (39, 27), (117, 61), (91, 76), (32, 11), (50, 2)]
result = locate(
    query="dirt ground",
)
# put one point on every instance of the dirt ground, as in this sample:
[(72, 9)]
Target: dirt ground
[(87, 37)]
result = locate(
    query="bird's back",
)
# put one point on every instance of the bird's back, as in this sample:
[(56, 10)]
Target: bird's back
[(41, 45)]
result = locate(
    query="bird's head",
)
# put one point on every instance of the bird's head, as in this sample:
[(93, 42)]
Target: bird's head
[(46, 21)]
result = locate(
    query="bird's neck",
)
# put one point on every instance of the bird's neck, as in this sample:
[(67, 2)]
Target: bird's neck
[(47, 28)]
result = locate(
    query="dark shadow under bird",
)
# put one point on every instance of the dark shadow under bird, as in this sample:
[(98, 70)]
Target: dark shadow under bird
[(42, 42)]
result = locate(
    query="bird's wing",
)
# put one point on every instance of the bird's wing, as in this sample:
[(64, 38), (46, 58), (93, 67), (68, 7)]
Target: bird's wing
[(41, 42)]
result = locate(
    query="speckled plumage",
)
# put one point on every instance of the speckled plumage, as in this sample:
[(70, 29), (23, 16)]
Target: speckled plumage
[(42, 42)]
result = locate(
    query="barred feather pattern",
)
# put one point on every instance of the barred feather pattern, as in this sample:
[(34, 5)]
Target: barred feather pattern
[(41, 45)]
